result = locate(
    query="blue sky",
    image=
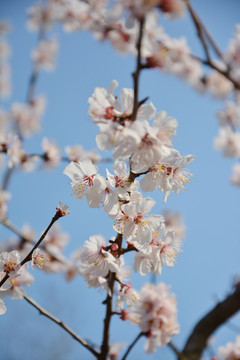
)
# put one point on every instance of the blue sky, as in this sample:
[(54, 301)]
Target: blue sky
[(210, 206)]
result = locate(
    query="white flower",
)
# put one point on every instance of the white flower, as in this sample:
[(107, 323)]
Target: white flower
[(86, 181), (38, 259), (5, 196), (51, 154), (128, 295), (27, 116), (13, 288), (63, 209), (228, 141), (168, 175), (94, 261), (44, 55), (235, 178), (3, 308), (156, 311), (231, 351), (10, 262), (131, 221)]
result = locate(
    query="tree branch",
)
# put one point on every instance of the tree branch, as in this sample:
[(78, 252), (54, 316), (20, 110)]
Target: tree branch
[(132, 345), (13, 228), (61, 324), (136, 74), (197, 341), (107, 320), (28, 257)]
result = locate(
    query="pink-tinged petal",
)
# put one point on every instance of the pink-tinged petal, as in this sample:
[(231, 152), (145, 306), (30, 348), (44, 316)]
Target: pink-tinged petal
[(73, 170), (3, 308), (87, 167)]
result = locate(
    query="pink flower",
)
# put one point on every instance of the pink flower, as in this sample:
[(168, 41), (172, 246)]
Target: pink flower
[(157, 314)]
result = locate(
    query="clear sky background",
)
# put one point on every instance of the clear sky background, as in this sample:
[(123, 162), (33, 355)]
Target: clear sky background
[(204, 271)]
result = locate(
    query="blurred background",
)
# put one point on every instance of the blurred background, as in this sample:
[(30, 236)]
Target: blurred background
[(204, 272)]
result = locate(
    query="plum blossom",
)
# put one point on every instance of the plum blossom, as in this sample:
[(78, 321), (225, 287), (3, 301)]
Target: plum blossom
[(235, 178), (86, 181), (232, 56), (77, 153), (51, 154), (231, 351), (218, 84), (56, 239), (156, 311), (149, 148), (228, 141), (42, 16), (3, 308), (94, 261), (174, 221), (13, 286), (131, 221), (38, 259), (18, 157), (62, 209), (10, 263), (5, 196), (45, 54), (152, 257), (230, 115), (114, 350), (168, 175), (104, 106), (126, 294), (27, 116)]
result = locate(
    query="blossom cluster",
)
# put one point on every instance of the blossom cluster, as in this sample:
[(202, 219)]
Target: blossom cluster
[(145, 141)]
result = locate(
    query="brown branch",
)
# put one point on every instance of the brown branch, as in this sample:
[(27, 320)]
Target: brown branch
[(197, 341), (6, 178), (13, 228), (202, 32), (132, 345), (28, 257), (204, 29), (107, 320), (61, 324), (179, 354), (198, 25), (136, 74)]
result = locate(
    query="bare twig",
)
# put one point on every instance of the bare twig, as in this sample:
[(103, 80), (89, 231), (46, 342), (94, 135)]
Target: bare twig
[(107, 320), (13, 228), (61, 324), (199, 28), (202, 33), (28, 257), (132, 345), (179, 354), (197, 341), (204, 29)]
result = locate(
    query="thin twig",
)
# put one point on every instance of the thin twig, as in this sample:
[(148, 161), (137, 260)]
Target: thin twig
[(202, 32), (132, 345), (13, 228), (204, 29), (179, 354), (6, 178), (199, 29), (61, 324), (28, 257)]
